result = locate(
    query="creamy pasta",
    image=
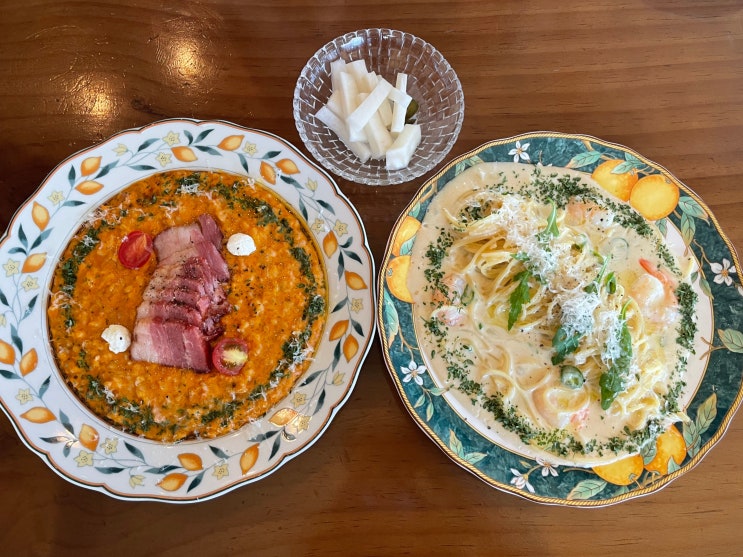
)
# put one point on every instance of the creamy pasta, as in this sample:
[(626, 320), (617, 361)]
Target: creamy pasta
[(555, 309)]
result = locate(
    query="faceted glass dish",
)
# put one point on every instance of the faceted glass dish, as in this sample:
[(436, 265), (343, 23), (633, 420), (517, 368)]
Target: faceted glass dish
[(431, 82)]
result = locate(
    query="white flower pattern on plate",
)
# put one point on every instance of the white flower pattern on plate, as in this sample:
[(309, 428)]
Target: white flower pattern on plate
[(548, 469), (521, 481), (519, 152), (413, 372), (723, 272)]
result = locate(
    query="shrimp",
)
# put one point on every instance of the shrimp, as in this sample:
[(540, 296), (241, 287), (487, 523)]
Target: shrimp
[(577, 213), (654, 294), (561, 407), (455, 285), (579, 419), (668, 282), (449, 315)]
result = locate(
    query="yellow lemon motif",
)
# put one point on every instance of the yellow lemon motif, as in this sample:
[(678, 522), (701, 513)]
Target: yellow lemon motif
[(89, 187), (249, 458), (338, 330), (397, 278), (34, 262), (7, 353), (329, 244), (654, 196), (283, 417), (669, 445), (90, 165), (619, 185), (622, 472), (39, 415), (184, 154), (29, 362), (268, 172), (40, 215), (287, 166), (173, 482), (231, 142), (89, 437), (350, 347), (355, 281), (408, 228), (190, 461)]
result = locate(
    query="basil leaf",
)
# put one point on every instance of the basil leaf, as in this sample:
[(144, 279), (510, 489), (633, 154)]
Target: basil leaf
[(564, 344), (551, 228), (520, 296), (613, 381)]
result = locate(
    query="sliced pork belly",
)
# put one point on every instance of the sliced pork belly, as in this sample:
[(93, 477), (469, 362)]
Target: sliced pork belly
[(170, 343), (184, 242), (185, 300), (211, 231)]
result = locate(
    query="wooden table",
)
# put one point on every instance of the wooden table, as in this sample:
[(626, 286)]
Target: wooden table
[(663, 77)]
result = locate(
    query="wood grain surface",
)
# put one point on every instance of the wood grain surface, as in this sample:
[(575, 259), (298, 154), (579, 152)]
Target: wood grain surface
[(663, 77)]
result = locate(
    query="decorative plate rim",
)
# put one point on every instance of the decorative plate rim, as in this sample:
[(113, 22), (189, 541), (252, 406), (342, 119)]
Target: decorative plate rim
[(388, 305), (194, 470)]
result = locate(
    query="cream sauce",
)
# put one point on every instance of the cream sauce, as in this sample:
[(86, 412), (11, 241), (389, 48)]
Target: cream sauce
[(516, 364)]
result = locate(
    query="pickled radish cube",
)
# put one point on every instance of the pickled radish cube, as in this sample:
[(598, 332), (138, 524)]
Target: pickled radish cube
[(399, 110), (369, 107), (378, 136), (338, 126), (401, 151)]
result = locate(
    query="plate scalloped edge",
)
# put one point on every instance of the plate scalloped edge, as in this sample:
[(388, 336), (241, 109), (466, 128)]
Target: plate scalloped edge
[(712, 408), (86, 450)]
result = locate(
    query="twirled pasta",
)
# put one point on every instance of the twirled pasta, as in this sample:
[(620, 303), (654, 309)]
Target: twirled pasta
[(555, 314)]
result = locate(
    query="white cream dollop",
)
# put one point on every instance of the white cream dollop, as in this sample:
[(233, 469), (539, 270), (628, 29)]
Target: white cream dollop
[(118, 338), (241, 244)]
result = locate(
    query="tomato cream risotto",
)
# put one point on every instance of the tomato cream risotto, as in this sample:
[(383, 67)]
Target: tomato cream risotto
[(187, 305), (552, 310)]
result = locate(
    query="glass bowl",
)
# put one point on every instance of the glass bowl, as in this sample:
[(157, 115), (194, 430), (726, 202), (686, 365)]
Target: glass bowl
[(431, 82)]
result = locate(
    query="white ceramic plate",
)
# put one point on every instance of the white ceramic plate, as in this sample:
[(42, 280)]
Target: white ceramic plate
[(86, 450)]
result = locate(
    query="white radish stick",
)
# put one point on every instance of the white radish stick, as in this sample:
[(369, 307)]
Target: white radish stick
[(368, 108), (349, 93), (398, 110), (401, 151), (338, 126), (336, 68), (378, 136)]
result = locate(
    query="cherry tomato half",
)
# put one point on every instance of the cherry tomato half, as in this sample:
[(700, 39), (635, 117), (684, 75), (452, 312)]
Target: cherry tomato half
[(229, 355), (135, 249)]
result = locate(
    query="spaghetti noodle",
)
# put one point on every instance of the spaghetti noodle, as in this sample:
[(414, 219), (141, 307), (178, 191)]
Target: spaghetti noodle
[(556, 310)]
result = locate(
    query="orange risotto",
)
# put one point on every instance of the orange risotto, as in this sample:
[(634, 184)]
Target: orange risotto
[(277, 297)]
